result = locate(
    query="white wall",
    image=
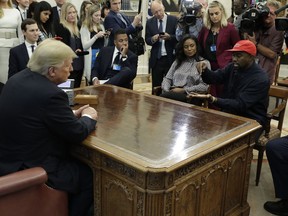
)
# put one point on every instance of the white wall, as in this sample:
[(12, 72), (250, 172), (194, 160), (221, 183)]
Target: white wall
[(77, 3)]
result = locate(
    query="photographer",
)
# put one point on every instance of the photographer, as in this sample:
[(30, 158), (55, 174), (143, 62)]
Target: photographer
[(191, 18), (268, 40)]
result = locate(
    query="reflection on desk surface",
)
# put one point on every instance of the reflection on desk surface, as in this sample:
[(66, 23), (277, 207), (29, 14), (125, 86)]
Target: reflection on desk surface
[(157, 130)]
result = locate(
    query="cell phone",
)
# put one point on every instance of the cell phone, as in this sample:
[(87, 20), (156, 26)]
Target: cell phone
[(110, 30), (82, 53), (161, 33)]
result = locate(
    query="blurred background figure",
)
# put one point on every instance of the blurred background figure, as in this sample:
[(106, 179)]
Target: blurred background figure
[(84, 11), (93, 37), (183, 77), (30, 11), (191, 19), (44, 18), (104, 12), (57, 11), (69, 32), (22, 6), (239, 8), (10, 34), (216, 36)]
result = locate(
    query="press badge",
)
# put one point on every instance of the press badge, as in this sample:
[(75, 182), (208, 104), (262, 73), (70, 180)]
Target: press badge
[(213, 48), (116, 67)]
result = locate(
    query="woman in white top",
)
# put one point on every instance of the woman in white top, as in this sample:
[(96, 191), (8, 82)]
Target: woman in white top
[(93, 37), (10, 32)]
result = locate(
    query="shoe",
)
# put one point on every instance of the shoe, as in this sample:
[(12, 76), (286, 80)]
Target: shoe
[(277, 208)]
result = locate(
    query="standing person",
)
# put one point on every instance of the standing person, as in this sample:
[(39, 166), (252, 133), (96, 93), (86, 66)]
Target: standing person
[(84, 11), (20, 55), (182, 77), (216, 36), (194, 27), (277, 155), (268, 40), (22, 6), (116, 65), (69, 32), (10, 25), (104, 12), (160, 34), (43, 16), (32, 104), (239, 7), (116, 20), (93, 37), (57, 11)]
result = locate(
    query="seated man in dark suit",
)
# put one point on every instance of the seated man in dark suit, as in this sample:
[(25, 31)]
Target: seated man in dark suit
[(116, 64), (20, 55), (38, 127)]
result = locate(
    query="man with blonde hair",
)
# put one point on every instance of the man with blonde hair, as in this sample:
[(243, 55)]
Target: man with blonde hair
[(38, 126)]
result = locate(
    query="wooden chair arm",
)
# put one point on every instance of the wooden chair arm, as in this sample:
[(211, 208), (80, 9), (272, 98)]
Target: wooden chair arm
[(157, 90), (277, 110)]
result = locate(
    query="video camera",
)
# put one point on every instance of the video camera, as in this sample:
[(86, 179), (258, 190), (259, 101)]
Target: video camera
[(190, 10), (252, 18)]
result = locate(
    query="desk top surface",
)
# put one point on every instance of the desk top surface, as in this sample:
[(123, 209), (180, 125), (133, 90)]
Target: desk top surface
[(152, 132)]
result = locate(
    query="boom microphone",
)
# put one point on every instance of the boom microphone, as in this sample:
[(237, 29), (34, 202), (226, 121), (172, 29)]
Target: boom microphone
[(281, 9)]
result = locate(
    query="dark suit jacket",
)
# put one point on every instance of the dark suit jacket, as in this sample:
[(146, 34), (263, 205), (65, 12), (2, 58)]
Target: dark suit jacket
[(38, 128), (104, 60), (18, 59), (112, 21), (56, 18), (152, 29)]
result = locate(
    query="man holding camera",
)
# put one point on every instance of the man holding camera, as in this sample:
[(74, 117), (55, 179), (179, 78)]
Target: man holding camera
[(268, 40), (192, 22)]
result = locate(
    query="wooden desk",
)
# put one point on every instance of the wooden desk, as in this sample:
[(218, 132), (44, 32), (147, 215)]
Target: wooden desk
[(153, 157)]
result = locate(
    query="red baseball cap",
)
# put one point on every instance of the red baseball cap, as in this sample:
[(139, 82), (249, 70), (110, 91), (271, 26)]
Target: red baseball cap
[(244, 46)]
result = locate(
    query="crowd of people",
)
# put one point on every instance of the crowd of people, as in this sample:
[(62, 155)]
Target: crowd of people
[(211, 56)]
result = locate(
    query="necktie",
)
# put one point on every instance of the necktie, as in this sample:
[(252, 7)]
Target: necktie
[(59, 12), (160, 41), (117, 58), (122, 19), (24, 15), (32, 48)]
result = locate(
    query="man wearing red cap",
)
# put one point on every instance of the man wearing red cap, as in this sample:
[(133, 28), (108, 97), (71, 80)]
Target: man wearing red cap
[(246, 85)]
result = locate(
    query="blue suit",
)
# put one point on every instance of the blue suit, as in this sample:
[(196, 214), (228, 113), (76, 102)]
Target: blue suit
[(112, 21), (18, 59)]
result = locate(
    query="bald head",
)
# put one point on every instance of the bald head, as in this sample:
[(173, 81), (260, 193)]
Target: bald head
[(157, 9)]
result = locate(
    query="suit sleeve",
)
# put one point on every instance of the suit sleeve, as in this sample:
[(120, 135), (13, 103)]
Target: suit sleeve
[(148, 33), (96, 68), (12, 63), (61, 120), (131, 63)]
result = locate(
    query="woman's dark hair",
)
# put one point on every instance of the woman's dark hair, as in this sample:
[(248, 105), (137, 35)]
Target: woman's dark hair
[(31, 8), (44, 6), (179, 51), (104, 7)]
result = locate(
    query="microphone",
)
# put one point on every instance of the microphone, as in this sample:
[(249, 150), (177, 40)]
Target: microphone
[(281, 9)]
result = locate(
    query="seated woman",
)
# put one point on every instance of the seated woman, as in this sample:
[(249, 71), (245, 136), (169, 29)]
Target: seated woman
[(183, 77)]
